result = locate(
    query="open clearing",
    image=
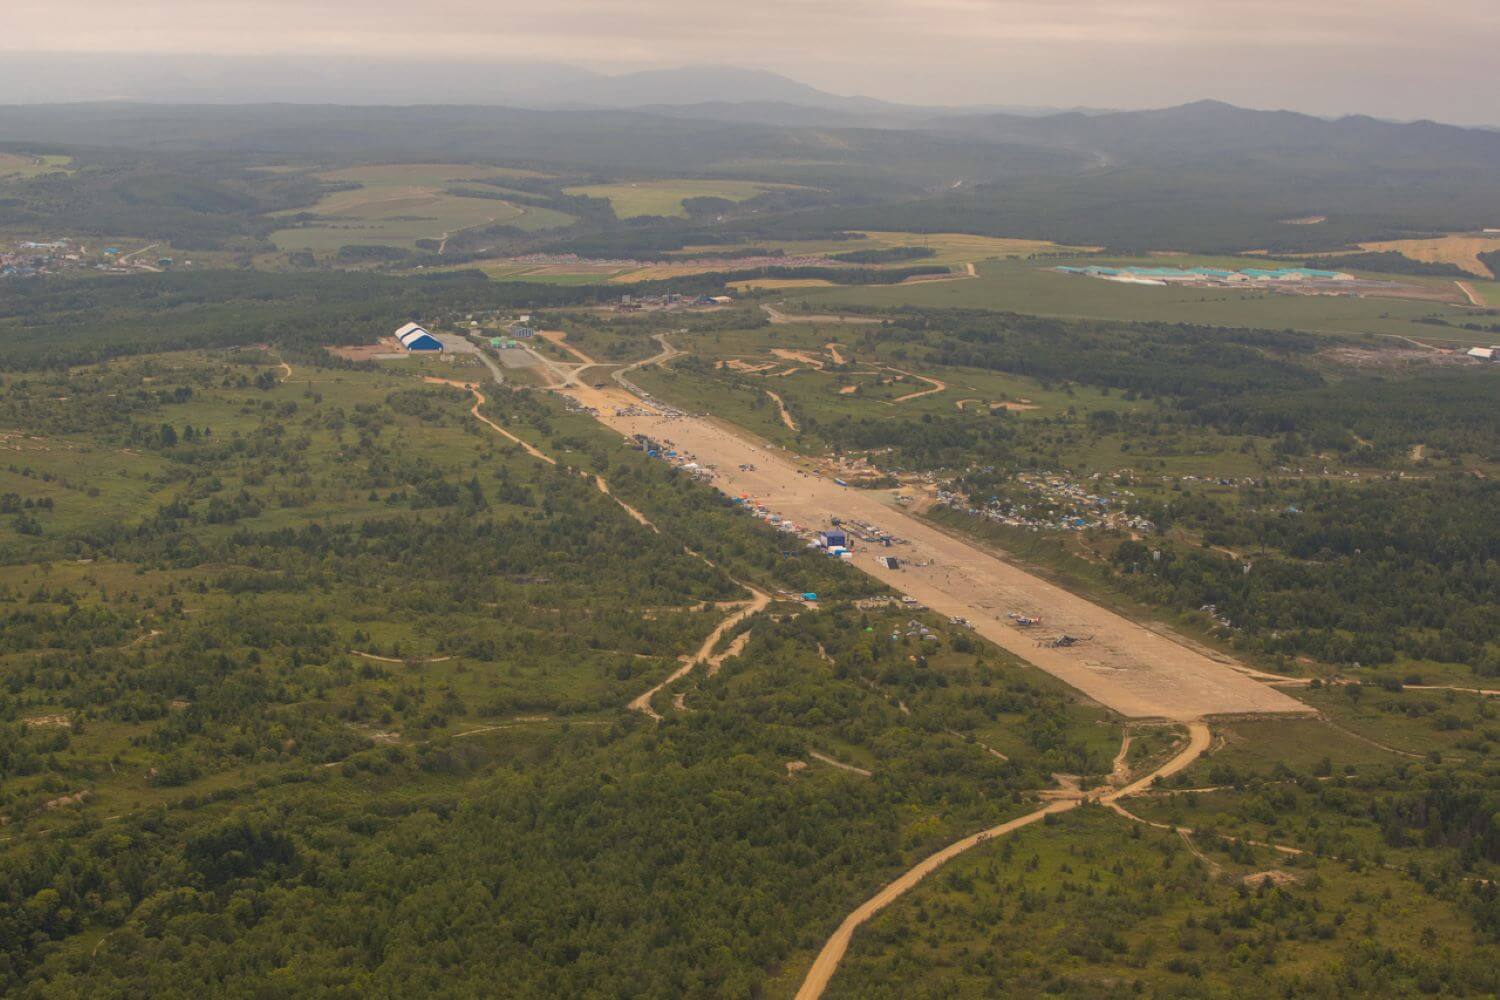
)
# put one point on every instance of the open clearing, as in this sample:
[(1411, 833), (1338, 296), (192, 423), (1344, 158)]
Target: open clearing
[(633, 199), (1035, 288), (24, 165), (398, 204), (1460, 250), (953, 249), (1122, 665)]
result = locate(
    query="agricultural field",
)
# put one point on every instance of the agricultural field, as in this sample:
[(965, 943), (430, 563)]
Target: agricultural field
[(1037, 289), (634, 199), (397, 204), (953, 249), (21, 166), (1461, 250)]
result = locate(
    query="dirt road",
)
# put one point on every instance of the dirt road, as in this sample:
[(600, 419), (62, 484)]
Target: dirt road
[(474, 411), (936, 386), (827, 962), (1118, 663), (786, 416), (1474, 297), (757, 603)]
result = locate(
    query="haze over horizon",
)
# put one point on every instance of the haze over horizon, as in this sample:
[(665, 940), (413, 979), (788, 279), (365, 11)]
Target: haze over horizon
[(1340, 57)]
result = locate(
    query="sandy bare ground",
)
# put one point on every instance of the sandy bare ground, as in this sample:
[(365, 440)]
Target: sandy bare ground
[(786, 416), (802, 357), (757, 603), (778, 317), (833, 352), (1120, 664), (827, 962)]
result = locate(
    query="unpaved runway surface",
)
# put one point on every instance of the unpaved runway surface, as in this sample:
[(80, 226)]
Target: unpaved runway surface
[(1120, 664)]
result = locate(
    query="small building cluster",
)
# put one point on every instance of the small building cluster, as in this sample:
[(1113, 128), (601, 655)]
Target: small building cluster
[(28, 258), (668, 302), (1050, 502), (1484, 353)]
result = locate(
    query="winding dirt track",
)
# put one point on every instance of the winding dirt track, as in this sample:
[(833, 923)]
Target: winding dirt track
[(786, 416), (757, 603), (937, 386), (827, 962)]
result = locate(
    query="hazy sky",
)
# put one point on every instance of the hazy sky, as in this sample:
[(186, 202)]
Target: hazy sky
[(1393, 57)]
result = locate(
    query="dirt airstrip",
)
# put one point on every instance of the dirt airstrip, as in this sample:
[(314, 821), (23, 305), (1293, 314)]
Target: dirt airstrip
[(1123, 665)]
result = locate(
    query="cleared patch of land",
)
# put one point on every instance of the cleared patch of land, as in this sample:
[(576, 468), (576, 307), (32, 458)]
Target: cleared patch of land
[(1036, 288), (24, 165), (633, 199), (398, 204)]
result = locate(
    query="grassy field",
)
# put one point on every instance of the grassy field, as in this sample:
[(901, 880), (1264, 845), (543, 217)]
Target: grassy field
[(398, 204), (633, 199), (948, 248), (21, 166), (1038, 289)]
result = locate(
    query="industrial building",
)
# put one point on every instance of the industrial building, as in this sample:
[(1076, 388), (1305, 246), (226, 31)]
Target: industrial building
[(414, 338)]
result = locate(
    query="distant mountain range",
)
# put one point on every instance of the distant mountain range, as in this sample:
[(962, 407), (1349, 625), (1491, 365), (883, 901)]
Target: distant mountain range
[(744, 94)]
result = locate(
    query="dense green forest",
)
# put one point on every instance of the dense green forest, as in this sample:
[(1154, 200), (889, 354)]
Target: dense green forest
[(312, 684)]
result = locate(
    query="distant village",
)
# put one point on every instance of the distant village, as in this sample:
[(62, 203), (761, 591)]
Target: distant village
[(26, 258)]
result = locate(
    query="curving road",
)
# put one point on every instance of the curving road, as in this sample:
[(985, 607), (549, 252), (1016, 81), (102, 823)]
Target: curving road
[(827, 962)]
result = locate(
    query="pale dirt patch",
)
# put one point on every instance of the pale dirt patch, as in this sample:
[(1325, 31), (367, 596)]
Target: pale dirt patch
[(368, 352), (774, 284), (786, 416), (744, 366), (848, 390), (1276, 877), (48, 722), (802, 357), (77, 798)]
